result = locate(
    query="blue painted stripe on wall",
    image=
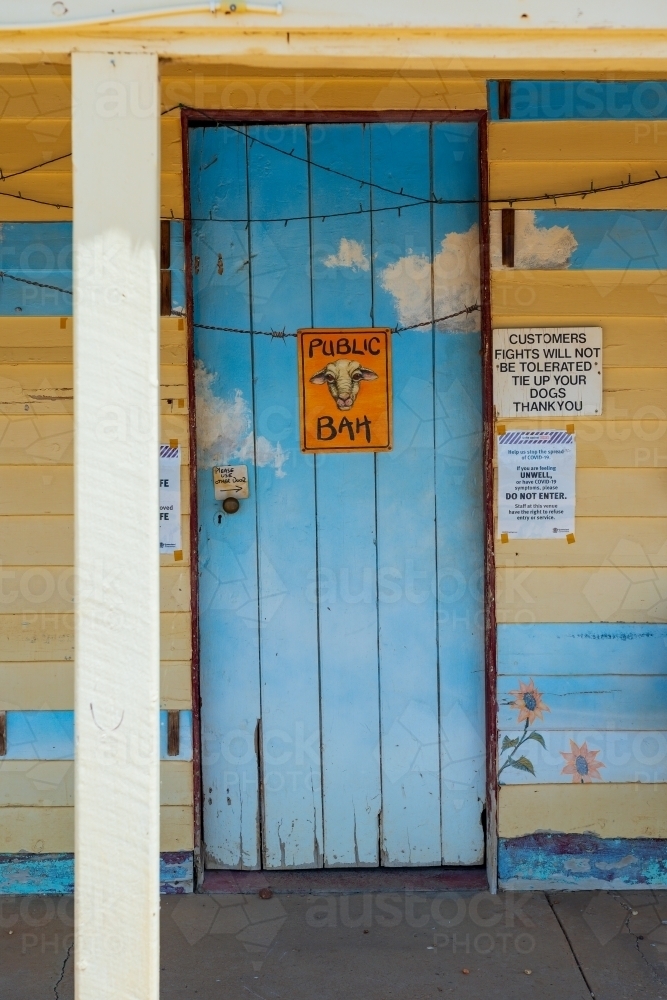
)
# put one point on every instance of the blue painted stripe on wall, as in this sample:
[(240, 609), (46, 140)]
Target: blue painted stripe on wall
[(635, 702), (607, 240), (588, 100), (623, 756), (41, 252), (581, 861), (43, 735), (538, 650), (28, 874), (177, 268)]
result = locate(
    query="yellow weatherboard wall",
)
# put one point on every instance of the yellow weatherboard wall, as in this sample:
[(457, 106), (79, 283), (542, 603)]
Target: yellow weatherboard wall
[(622, 457)]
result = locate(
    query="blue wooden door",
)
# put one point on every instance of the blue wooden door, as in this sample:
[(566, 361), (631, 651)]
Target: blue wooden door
[(341, 608)]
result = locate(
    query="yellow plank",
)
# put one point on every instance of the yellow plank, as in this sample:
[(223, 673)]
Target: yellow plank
[(50, 830), (35, 331), (21, 384), (174, 588), (49, 541), (50, 589), (51, 783), (175, 635), (581, 594), (46, 489), (176, 684), (37, 541), (36, 686), (39, 686), (591, 295), (608, 810), (624, 141), (522, 179), (47, 331), (36, 783), (22, 355), (176, 783), (618, 541), (41, 636), (34, 440), (620, 493)]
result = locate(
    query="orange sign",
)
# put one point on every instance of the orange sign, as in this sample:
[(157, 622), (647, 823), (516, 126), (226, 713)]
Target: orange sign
[(345, 389)]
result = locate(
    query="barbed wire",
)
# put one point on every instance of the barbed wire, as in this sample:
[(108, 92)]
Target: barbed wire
[(37, 284), (510, 200), (282, 335)]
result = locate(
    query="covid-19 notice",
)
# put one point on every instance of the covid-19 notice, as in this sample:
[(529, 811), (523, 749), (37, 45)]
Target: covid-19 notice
[(536, 484)]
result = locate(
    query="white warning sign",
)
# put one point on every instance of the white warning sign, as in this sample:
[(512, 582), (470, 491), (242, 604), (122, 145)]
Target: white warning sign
[(536, 484), (170, 499), (548, 372)]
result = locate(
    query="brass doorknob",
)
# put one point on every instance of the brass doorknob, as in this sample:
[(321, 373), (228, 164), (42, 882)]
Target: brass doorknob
[(230, 505)]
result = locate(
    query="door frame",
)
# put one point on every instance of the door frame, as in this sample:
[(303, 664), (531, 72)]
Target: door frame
[(191, 116)]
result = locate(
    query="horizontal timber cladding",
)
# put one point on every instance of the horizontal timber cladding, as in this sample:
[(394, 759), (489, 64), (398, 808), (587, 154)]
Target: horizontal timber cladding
[(25, 874), (50, 686), (49, 735), (631, 810), (588, 100), (51, 783), (597, 240), (581, 861), (50, 829), (46, 636)]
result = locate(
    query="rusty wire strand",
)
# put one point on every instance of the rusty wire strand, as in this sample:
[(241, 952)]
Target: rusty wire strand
[(282, 335), (582, 193)]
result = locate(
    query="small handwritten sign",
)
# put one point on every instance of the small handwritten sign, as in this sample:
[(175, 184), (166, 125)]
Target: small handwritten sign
[(345, 389), (230, 481)]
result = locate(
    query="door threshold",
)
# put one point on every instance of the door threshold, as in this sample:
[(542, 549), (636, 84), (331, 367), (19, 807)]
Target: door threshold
[(347, 880)]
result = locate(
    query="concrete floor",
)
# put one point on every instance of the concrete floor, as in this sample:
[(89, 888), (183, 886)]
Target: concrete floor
[(369, 946)]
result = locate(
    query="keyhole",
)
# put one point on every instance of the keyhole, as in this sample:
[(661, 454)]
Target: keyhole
[(221, 264), (219, 518)]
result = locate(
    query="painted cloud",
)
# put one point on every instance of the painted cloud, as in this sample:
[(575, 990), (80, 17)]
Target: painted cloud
[(224, 429), (350, 254), (535, 247), (455, 282)]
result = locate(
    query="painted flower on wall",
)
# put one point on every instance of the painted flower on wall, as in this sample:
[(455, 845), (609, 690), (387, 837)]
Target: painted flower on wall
[(530, 706), (528, 702), (580, 762)]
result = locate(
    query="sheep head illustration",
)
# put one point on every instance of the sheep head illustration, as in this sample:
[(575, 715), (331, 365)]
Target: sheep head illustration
[(343, 379)]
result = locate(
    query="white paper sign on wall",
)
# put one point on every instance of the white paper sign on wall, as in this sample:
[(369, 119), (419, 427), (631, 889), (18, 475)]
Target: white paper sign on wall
[(548, 372), (536, 484), (170, 499)]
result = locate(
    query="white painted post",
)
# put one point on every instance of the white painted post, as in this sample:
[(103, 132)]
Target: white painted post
[(115, 145)]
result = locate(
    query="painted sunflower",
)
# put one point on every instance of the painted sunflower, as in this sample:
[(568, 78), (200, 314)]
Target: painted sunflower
[(528, 703), (580, 762)]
